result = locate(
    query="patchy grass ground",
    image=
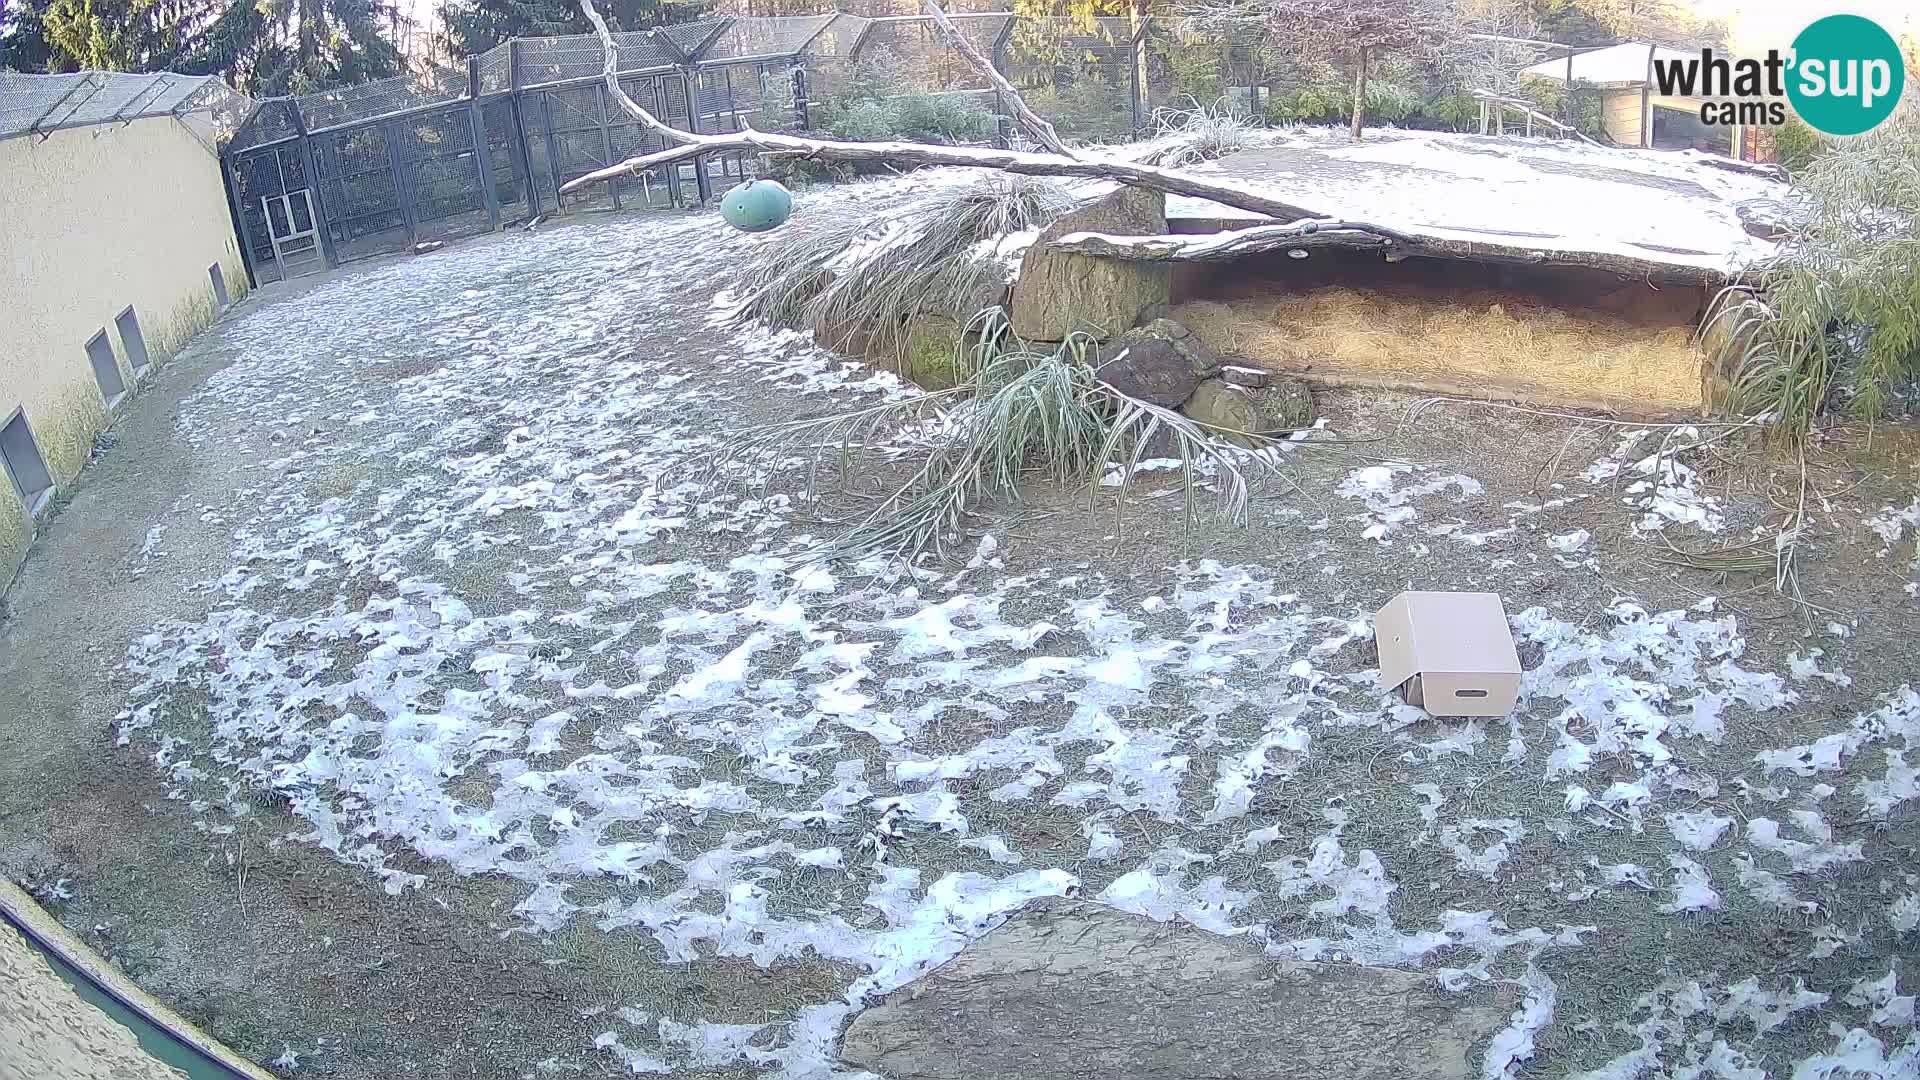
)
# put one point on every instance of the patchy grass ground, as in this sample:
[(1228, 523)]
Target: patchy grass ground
[(397, 700)]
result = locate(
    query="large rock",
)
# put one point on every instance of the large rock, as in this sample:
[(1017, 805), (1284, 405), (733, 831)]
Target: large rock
[(1161, 362), (1058, 293), (1281, 406), (930, 358), (1070, 990)]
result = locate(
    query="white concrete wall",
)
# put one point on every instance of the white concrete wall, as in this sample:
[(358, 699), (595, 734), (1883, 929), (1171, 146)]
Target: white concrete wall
[(91, 220)]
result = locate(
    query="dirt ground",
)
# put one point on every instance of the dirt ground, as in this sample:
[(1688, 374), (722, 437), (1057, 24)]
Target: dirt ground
[(275, 684)]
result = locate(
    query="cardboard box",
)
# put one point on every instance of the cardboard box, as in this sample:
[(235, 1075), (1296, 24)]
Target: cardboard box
[(1451, 652)]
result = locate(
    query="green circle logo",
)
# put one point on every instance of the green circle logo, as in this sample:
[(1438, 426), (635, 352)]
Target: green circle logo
[(1846, 75)]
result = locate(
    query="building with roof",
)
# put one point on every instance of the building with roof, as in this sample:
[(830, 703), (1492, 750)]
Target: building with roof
[(118, 246), (1633, 111)]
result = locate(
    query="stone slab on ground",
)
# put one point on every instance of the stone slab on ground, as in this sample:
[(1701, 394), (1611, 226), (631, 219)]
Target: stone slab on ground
[(1073, 989)]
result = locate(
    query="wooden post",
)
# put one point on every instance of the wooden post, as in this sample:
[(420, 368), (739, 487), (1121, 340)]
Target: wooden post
[(1646, 101), (1360, 93), (1137, 11), (1567, 103)]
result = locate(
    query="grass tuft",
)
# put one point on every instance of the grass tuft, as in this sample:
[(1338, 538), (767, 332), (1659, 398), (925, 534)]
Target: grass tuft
[(1836, 316), (1019, 412), (850, 278), (1200, 133)]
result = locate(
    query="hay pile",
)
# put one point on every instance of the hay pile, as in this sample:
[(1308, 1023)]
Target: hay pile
[(1607, 349)]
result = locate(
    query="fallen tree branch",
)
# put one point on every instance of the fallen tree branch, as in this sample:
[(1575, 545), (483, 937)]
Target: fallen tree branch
[(1208, 247), (1041, 131), (1288, 232), (1362, 236), (690, 144)]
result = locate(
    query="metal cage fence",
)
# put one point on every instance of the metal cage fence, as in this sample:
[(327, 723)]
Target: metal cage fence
[(42, 104), (390, 163)]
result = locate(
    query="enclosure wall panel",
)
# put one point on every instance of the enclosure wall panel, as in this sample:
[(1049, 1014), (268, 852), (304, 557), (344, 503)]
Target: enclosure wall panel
[(96, 219)]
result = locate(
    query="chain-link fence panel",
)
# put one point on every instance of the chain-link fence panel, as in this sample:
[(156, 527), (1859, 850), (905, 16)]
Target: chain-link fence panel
[(665, 96), (879, 79), (546, 61), (38, 104), (360, 192), (260, 180), (760, 38), (383, 97), (496, 69), (441, 174), (506, 161), (690, 40), (1080, 74)]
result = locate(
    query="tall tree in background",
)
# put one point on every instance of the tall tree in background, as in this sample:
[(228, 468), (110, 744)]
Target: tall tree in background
[(23, 36), (478, 25), (1605, 22), (261, 46), (1358, 33)]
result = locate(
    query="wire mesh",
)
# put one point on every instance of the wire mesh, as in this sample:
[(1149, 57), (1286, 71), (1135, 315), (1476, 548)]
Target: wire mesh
[(383, 97), (774, 36), (1081, 74), (544, 61), (43, 103), (690, 39), (496, 69), (272, 121)]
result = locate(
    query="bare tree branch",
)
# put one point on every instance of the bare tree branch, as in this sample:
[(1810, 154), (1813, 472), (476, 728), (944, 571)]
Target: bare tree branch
[(1173, 182), (1041, 131), (1299, 232)]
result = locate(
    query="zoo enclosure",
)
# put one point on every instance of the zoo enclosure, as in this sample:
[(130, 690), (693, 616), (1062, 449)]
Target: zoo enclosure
[(327, 178)]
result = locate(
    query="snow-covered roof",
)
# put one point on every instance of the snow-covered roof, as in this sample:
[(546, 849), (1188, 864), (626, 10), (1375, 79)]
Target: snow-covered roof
[(1623, 63), (1678, 209)]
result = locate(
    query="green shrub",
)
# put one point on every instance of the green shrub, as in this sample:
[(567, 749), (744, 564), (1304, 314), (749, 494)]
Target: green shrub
[(1837, 315), (938, 118), (1795, 144), (1089, 110)]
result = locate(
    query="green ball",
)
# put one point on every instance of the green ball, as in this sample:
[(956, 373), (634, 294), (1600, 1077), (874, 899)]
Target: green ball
[(757, 205)]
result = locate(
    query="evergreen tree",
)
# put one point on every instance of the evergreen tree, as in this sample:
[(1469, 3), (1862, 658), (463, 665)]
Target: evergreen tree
[(263, 47), (478, 25), (23, 37)]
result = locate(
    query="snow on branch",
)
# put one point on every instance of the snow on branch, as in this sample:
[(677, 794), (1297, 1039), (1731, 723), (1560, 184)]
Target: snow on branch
[(1359, 235), (1169, 181)]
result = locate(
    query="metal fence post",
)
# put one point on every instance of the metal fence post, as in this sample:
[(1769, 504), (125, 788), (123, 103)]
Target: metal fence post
[(692, 76), (553, 154), (482, 150), (606, 140), (523, 155), (231, 183), (308, 164)]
